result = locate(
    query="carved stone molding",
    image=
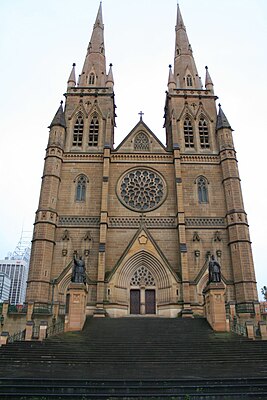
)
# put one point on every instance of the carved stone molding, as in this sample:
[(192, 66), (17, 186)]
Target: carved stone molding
[(142, 158), (88, 221), (83, 157), (205, 222), (191, 158), (134, 222)]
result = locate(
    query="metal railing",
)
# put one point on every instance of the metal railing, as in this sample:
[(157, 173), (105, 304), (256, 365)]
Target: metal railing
[(42, 308), (17, 308), (17, 337), (245, 308), (55, 328), (238, 328)]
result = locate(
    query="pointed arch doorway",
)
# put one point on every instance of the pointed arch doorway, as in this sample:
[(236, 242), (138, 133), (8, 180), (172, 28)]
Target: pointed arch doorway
[(142, 292), (142, 301)]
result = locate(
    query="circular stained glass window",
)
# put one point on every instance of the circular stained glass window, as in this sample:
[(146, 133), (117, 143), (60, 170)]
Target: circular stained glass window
[(142, 190)]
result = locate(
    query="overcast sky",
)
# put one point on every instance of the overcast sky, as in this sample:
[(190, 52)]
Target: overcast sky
[(39, 41)]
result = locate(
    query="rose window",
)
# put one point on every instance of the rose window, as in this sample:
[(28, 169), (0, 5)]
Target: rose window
[(142, 277), (142, 190)]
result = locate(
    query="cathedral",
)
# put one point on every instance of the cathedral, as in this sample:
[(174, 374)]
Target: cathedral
[(144, 218)]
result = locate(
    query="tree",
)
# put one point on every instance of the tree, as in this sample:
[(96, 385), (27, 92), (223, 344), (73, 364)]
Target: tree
[(264, 292)]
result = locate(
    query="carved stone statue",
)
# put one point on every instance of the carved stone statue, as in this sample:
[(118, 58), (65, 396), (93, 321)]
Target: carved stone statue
[(214, 270), (78, 271)]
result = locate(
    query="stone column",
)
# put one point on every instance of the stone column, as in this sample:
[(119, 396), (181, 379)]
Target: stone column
[(142, 300), (29, 330), (42, 330), (215, 306), (55, 310), (4, 338), (250, 329), (77, 307), (263, 330), (30, 310)]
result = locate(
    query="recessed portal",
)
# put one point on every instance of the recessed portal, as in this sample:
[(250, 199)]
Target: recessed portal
[(135, 301), (148, 301)]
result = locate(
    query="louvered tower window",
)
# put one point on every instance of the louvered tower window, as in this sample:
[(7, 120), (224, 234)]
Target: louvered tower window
[(189, 80), (78, 132), (93, 132), (202, 189), (91, 79), (188, 134), (203, 134), (81, 188)]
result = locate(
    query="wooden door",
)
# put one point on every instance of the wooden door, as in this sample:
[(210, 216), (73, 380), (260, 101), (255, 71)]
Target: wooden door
[(150, 301), (135, 301)]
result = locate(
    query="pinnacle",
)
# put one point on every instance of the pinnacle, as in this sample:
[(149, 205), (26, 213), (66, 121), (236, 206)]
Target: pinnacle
[(59, 118), (222, 121)]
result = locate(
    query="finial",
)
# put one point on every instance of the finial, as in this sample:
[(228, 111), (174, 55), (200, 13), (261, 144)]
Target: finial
[(74, 65), (206, 67), (170, 66), (141, 115), (219, 105), (61, 102), (111, 65)]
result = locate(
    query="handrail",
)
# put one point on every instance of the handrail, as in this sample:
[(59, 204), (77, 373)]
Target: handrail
[(55, 328), (17, 337), (238, 328)]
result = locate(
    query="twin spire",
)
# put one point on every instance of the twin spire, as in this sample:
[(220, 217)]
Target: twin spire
[(94, 68), (183, 76)]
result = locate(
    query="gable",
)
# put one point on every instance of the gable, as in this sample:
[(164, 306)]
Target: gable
[(141, 140)]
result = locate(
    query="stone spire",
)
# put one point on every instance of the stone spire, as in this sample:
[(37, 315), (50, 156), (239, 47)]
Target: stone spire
[(72, 78), (185, 70), (110, 80), (222, 121), (94, 69), (208, 81), (59, 118), (171, 80)]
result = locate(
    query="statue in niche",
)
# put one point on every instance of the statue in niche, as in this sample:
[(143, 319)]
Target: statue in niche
[(78, 270), (214, 270)]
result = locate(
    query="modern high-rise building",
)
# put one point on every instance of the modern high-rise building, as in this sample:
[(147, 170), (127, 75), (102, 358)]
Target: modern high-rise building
[(16, 267), (5, 283), (146, 217)]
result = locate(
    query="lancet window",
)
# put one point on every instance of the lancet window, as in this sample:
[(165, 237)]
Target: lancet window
[(92, 79), (81, 188), (93, 132), (189, 80), (203, 134), (141, 142), (188, 133), (78, 132), (202, 189)]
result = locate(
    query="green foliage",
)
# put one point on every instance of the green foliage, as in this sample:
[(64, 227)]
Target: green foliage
[(264, 292)]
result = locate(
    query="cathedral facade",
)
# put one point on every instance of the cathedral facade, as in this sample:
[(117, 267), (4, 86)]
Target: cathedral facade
[(145, 218)]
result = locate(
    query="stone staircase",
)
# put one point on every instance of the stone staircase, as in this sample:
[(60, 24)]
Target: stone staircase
[(136, 358)]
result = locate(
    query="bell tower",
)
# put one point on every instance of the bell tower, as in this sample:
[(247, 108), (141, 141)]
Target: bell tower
[(208, 188), (78, 153)]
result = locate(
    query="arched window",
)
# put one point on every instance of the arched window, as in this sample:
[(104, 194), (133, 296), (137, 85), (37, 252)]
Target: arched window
[(203, 134), (202, 189), (93, 132), (141, 142), (92, 79), (78, 132), (81, 188), (188, 133), (189, 80)]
